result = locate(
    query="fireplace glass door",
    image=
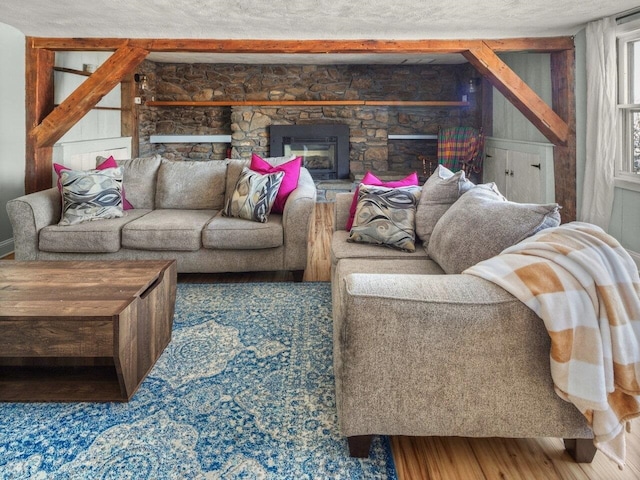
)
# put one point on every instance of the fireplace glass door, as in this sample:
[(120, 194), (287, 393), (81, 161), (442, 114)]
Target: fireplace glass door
[(318, 155), (324, 148)]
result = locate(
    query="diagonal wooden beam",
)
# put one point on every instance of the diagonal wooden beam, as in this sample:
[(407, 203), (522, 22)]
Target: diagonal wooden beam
[(87, 95), (485, 60)]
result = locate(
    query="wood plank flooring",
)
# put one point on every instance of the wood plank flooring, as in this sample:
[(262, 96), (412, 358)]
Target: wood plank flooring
[(456, 458)]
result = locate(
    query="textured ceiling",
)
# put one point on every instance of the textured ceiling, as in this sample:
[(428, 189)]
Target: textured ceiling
[(306, 19)]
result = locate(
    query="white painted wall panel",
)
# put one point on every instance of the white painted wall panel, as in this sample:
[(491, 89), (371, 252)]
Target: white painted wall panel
[(508, 122), (96, 123), (12, 127)]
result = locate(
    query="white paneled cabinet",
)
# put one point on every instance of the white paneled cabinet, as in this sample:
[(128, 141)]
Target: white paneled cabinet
[(522, 171)]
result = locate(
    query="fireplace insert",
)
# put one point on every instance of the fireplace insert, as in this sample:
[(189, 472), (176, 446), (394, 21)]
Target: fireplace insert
[(324, 148)]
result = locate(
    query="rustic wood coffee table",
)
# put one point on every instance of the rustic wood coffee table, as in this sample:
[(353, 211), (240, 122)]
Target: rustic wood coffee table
[(82, 331)]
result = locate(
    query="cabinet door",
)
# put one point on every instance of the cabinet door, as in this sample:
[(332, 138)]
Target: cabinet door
[(494, 168), (524, 185)]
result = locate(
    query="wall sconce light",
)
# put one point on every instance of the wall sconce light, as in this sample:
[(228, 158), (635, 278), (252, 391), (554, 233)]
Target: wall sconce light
[(141, 80), (473, 85)]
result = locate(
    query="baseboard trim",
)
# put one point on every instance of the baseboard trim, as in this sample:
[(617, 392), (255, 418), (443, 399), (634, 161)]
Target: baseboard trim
[(6, 247)]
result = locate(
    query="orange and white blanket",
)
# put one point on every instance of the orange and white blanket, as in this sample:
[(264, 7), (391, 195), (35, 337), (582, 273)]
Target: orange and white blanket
[(586, 289)]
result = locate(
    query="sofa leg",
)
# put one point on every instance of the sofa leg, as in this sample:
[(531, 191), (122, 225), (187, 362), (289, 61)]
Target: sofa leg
[(582, 450), (359, 445), (297, 275)]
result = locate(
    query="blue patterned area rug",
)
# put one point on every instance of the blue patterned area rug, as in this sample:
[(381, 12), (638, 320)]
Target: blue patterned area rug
[(244, 390)]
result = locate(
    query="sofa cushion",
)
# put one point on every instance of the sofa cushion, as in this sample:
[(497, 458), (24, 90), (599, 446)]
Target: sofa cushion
[(413, 266), (386, 216), (254, 195), (481, 224), (90, 195), (439, 192), (191, 185), (139, 178), (90, 237), (228, 233), (167, 230), (341, 248)]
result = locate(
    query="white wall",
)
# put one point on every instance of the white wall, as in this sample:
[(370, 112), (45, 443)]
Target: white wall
[(97, 123), (508, 122), (12, 126)]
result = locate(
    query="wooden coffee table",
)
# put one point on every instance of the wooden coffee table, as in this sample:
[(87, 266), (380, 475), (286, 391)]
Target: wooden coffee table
[(82, 331)]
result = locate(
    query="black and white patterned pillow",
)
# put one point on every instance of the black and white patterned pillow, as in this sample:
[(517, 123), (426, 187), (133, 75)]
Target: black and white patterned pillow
[(90, 195), (253, 196), (386, 216)]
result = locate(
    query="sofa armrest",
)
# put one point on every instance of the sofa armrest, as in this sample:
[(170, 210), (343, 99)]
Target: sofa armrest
[(28, 215), (341, 209), (296, 221), (444, 355)]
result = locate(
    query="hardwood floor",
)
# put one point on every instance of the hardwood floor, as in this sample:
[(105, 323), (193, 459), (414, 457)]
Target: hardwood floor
[(456, 458)]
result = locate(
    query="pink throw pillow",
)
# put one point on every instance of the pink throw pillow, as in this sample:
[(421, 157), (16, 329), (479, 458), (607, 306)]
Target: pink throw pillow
[(370, 179), (108, 163), (289, 183)]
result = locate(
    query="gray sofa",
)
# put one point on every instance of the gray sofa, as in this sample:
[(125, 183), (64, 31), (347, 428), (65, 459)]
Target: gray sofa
[(177, 214), (419, 352)]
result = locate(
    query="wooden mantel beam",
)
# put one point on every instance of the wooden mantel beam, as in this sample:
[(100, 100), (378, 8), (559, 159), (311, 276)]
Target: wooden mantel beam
[(122, 63), (485, 60), (548, 44)]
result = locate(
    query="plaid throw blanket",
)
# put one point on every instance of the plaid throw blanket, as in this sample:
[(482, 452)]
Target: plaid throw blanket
[(586, 289), (460, 148)]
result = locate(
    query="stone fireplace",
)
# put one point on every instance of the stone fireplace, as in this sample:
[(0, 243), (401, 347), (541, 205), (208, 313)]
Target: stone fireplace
[(254, 93), (324, 148)]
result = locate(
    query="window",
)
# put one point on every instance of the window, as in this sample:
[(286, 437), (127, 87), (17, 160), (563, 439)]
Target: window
[(628, 167)]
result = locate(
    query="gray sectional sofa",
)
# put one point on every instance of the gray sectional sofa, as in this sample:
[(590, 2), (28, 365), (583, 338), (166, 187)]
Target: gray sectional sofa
[(419, 352), (177, 214)]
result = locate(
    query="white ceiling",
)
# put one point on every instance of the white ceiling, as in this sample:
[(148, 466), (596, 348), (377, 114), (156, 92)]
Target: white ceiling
[(306, 19)]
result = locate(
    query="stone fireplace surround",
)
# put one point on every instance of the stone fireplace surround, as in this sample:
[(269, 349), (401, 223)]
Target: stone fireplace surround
[(370, 126)]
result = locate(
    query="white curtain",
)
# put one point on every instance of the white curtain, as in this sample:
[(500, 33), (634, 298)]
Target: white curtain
[(602, 118)]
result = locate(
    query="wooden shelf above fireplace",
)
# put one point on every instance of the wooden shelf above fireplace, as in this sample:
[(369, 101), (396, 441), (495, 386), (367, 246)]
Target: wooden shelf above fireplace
[(305, 103)]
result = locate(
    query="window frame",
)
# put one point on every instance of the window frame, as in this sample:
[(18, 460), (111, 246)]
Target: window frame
[(626, 34)]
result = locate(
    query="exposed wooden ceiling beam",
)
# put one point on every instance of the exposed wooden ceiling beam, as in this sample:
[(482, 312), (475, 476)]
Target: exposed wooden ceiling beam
[(122, 63), (548, 44), (533, 45), (519, 93)]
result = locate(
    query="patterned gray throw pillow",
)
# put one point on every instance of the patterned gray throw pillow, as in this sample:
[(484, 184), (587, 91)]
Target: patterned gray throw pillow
[(386, 216), (253, 196), (91, 195)]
